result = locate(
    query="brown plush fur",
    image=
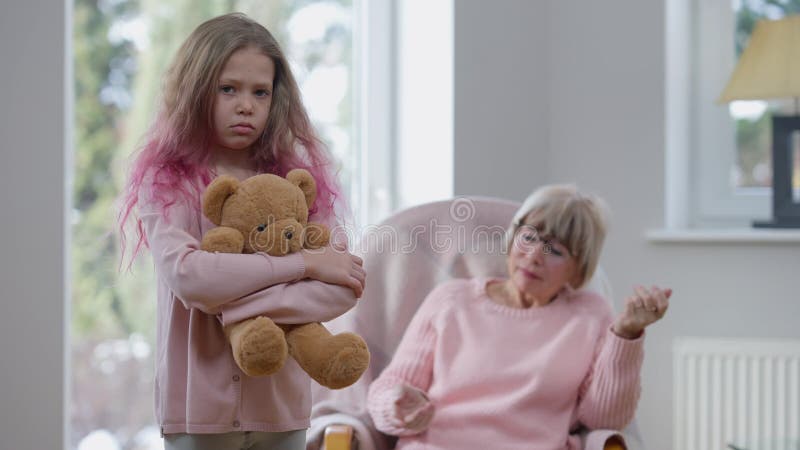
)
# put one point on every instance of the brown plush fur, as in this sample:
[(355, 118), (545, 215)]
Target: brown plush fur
[(268, 213)]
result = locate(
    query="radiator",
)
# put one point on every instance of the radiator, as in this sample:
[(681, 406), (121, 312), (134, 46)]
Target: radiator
[(744, 393)]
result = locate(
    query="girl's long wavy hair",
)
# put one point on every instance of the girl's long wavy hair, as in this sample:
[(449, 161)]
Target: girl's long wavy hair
[(177, 146)]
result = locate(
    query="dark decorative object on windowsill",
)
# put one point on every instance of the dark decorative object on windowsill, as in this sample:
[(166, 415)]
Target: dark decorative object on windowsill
[(785, 210), (769, 68)]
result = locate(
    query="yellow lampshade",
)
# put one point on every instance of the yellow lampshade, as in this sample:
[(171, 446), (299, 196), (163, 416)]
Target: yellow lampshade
[(770, 65)]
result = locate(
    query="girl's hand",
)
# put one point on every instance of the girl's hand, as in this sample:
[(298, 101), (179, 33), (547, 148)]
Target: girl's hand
[(413, 410), (642, 308), (335, 266)]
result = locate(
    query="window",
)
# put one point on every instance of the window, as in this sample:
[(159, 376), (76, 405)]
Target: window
[(118, 68), (346, 55), (722, 177)]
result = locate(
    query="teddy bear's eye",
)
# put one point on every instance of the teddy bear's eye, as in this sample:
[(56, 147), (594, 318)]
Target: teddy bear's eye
[(262, 227)]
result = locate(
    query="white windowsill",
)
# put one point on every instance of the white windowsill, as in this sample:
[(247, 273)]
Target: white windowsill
[(722, 235)]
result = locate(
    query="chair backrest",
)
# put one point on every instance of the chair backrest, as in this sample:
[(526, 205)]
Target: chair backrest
[(405, 257), (413, 251)]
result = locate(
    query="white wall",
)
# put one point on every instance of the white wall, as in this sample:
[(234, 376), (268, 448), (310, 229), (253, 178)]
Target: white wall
[(597, 119), (500, 97), (32, 238)]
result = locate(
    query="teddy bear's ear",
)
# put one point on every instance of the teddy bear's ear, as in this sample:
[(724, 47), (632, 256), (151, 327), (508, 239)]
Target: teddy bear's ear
[(303, 179), (215, 195)]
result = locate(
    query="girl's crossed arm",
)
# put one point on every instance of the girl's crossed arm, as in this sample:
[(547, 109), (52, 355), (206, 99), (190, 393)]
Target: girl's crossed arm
[(205, 280), (292, 303), (335, 280)]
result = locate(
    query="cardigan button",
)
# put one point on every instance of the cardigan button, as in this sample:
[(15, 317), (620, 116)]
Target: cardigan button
[(236, 378), (236, 424)]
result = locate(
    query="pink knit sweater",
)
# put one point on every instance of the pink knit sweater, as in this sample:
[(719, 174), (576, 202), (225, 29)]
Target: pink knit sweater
[(509, 378)]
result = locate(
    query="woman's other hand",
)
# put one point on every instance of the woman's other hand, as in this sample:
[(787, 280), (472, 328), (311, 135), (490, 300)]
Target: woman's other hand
[(645, 306), (413, 410)]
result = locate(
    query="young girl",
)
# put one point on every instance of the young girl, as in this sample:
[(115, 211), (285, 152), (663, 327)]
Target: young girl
[(230, 105)]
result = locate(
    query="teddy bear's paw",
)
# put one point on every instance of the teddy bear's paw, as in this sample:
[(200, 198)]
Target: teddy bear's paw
[(346, 362), (259, 346), (223, 240)]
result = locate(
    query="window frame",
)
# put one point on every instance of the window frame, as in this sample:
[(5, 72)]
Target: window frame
[(376, 132), (700, 134), (375, 119), (372, 127), (394, 136)]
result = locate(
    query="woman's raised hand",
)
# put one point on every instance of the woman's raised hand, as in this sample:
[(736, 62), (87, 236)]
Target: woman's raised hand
[(645, 306), (335, 265)]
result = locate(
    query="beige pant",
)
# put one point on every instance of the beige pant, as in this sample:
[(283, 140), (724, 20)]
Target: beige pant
[(238, 440)]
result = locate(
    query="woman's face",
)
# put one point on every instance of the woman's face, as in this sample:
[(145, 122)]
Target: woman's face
[(539, 266)]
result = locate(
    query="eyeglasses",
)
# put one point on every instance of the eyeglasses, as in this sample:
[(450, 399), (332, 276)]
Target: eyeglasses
[(527, 237)]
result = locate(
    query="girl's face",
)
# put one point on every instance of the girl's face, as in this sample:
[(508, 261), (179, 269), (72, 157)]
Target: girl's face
[(539, 266), (243, 99)]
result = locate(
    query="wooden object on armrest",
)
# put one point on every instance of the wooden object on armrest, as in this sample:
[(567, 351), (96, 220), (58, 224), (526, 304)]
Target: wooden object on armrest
[(338, 437), (614, 443)]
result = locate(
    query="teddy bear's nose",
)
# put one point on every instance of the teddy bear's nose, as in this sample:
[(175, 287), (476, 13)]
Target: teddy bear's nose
[(288, 235)]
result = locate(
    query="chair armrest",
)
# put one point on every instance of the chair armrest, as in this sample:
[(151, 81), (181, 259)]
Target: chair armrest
[(338, 437), (614, 443), (342, 437)]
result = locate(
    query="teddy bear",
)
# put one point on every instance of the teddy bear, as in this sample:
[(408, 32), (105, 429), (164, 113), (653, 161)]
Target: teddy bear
[(268, 213)]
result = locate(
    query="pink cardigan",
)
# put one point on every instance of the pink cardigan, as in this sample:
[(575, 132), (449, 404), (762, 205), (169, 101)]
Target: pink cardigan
[(199, 388), (509, 378)]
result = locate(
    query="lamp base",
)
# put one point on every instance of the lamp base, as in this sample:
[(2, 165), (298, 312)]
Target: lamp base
[(785, 209), (781, 222)]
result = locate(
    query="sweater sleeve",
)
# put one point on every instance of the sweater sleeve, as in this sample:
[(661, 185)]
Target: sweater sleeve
[(291, 303), (610, 393), (411, 366), (206, 280)]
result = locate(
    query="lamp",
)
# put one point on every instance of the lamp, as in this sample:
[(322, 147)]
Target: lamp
[(769, 68)]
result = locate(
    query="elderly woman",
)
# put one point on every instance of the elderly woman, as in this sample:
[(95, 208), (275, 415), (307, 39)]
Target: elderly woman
[(522, 362)]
